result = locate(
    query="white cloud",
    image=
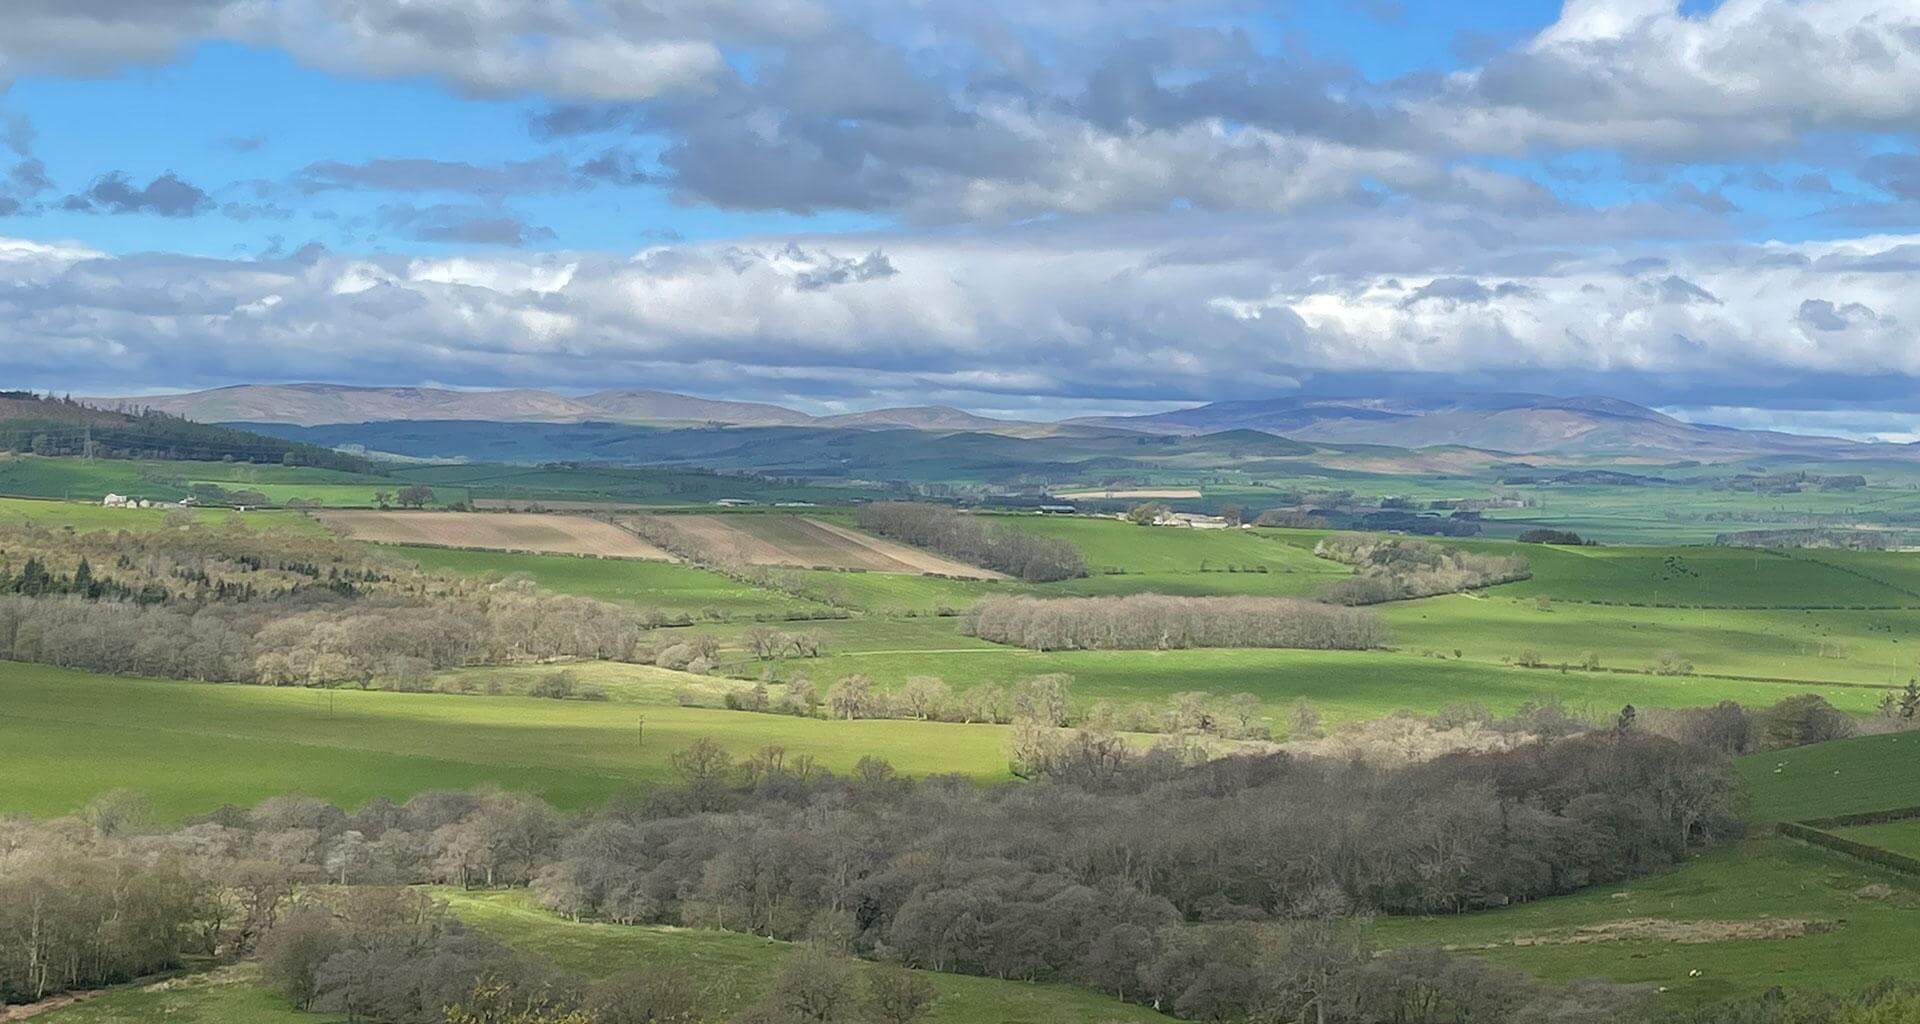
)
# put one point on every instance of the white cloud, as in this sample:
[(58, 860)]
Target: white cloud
[(1640, 74), (1119, 316)]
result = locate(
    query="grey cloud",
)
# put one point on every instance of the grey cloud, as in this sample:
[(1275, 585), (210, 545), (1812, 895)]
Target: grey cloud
[(1676, 289), (613, 166), (1897, 174), (167, 196), (1821, 315), (834, 270), (1456, 290), (463, 224), (428, 175), (1689, 194), (28, 177)]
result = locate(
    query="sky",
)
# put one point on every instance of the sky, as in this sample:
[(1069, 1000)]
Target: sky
[(1034, 210)]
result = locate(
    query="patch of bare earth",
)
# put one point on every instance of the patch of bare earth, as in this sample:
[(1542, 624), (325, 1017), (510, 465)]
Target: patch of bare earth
[(498, 531), (797, 542), (1654, 929), (913, 558)]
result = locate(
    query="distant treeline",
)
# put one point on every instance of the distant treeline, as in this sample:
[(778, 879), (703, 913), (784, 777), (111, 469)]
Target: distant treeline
[(1854, 540), (1399, 568), (1006, 549), (47, 426), (1155, 622)]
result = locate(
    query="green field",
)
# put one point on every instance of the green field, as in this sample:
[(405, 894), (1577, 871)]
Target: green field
[(663, 585), (1902, 837), (69, 736), (1109, 544), (1871, 773), (89, 480), (731, 970), (743, 966), (1869, 937), (1342, 685), (1866, 918), (1819, 646), (86, 517), (1711, 576)]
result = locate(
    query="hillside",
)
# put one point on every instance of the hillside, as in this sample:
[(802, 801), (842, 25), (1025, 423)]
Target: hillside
[(30, 424), (1517, 423), (311, 405)]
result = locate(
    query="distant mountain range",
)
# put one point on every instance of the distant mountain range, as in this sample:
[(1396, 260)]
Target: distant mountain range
[(1520, 424), (1516, 424)]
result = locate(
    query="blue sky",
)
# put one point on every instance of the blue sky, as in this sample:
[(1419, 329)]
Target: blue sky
[(1038, 210)]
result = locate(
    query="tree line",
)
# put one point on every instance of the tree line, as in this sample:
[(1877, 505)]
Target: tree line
[(1159, 622), (1006, 549), (43, 425), (226, 604), (1213, 891), (1401, 568)]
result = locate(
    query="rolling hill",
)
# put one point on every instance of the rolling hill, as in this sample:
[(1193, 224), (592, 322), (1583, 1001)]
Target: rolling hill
[(1502, 424), (1514, 423)]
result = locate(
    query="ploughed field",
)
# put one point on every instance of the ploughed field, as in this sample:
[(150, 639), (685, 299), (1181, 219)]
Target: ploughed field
[(506, 531), (805, 542)]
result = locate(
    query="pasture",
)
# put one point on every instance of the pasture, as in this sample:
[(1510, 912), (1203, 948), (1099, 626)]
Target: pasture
[(503, 531), (34, 476), (644, 584), (1871, 773), (1853, 647), (731, 970), (1342, 685), (1111, 545), (1768, 911), (1720, 903), (191, 747), (86, 517), (1902, 837)]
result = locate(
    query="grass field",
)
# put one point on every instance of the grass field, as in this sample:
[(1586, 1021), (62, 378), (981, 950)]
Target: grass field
[(1867, 937), (69, 736), (730, 970), (1714, 576), (1871, 773), (1845, 646), (1342, 685), (1112, 544), (737, 969), (89, 480), (643, 584), (502, 531), (86, 517), (1865, 918), (1902, 837)]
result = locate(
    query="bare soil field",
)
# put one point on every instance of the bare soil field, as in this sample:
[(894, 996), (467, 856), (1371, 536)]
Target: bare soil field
[(800, 542), (1138, 492), (499, 531)]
